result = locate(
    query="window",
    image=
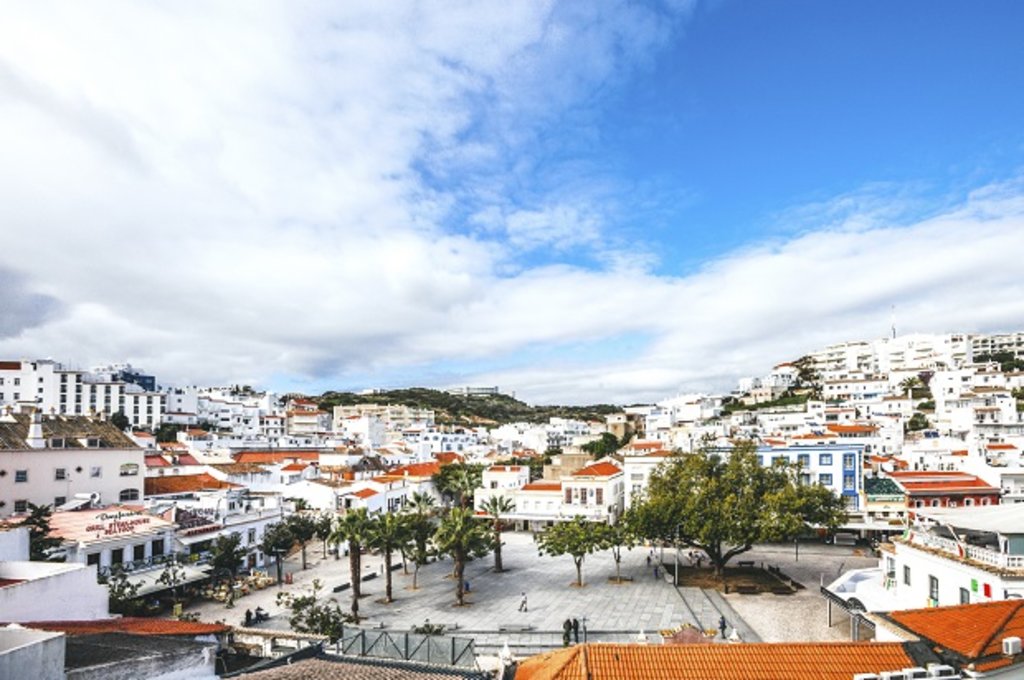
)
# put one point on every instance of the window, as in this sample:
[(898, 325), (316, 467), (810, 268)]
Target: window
[(129, 495), (906, 575), (59, 501), (92, 558), (849, 482), (139, 552), (129, 470), (965, 596), (849, 461), (599, 498), (96, 471), (568, 496), (21, 475), (583, 496), (20, 506), (933, 588), (60, 474), (824, 459), (252, 536), (804, 459), (935, 502), (158, 547), (825, 479), (117, 556)]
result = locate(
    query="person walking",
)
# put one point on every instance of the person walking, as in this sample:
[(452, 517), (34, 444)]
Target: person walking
[(566, 630), (655, 571), (648, 560), (522, 603), (576, 630), (722, 625)]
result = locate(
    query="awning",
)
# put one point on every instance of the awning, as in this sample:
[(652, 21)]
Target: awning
[(198, 538), (148, 581), (999, 519)]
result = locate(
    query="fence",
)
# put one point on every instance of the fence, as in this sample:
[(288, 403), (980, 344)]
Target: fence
[(435, 649)]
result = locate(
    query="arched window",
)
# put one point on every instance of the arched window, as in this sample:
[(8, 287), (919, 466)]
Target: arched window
[(129, 470), (129, 495)]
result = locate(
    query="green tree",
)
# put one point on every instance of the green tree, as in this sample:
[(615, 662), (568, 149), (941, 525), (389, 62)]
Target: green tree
[(599, 448), (172, 576), (577, 537), (123, 594), (119, 420), (387, 533), (457, 482), (303, 528), (917, 422), (496, 507), (307, 615), (277, 541), (615, 537), (228, 554), (353, 527), (324, 527), (420, 527), (464, 537), (725, 503), (40, 541)]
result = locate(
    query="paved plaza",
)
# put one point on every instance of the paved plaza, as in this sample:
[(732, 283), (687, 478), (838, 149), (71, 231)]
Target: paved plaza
[(608, 611)]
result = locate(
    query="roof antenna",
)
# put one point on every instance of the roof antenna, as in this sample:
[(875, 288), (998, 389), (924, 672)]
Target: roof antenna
[(892, 320)]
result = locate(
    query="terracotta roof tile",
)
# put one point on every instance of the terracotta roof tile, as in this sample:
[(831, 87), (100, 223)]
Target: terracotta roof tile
[(765, 661), (132, 625), (275, 456), (417, 469), (973, 630), (602, 469), (156, 461), (365, 493), (295, 467), (542, 486), (156, 486)]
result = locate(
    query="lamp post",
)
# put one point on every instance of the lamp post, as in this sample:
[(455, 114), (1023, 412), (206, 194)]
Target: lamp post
[(675, 573), (277, 560)]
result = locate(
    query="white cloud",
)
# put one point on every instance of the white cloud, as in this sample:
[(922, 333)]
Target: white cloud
[(232, 193)]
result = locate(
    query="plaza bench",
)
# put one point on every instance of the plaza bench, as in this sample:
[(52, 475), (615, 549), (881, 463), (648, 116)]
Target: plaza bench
[(514, 627), (745, 563), (746, 590)]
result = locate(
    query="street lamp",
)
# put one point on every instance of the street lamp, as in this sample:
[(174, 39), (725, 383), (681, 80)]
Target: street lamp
[(277, 558)]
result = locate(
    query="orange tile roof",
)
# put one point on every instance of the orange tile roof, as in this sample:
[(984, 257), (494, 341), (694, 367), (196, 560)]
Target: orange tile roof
[(295, 467), (602, 469), (187, 459), (1001, 447), (651, 444), (131, 625), (275, 456), (446, 457), (542, 486), (765, 661), (973, 630), (365, 493), (156, 461), (427, 469), (184, 483), (505, 468), (852, 429)]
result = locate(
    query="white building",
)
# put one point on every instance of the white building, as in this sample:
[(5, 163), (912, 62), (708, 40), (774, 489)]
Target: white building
[(54, 460)]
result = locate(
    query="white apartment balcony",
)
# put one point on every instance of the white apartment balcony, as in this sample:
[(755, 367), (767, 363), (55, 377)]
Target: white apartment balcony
[(965, 551)]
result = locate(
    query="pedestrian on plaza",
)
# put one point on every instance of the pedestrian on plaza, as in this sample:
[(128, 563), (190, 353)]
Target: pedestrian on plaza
[(655, 571), (648, 560), (576, 630), (722, 624), (248, 618), (566, 630), (522, 603)]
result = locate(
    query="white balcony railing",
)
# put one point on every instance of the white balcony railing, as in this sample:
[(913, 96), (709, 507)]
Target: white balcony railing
[(972, 552)]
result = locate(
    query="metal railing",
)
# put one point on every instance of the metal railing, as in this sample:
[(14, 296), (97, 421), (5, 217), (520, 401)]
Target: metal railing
[(434, 649)]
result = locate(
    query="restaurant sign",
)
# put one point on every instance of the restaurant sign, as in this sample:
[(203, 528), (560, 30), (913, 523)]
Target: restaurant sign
[(118, 523)]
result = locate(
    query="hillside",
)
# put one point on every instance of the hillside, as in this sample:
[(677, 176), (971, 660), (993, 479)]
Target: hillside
[(462, 410)]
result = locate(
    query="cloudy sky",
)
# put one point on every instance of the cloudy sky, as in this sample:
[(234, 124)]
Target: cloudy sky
[(575, 201)]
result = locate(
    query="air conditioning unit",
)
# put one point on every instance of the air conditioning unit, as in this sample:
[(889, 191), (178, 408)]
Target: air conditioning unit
[(939, 670), (865, 676), (1011, 646), (914, 673), (893, 675)]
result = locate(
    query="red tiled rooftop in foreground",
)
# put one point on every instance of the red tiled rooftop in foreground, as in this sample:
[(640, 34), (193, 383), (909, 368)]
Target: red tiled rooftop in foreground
[(776, 661), (131, 625), (543, 486), (295, 467), (184, 483), (156, 461), (602, 469), (973, 630), (4, 582)]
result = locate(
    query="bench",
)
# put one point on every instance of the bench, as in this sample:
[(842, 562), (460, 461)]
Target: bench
[(343, 586), (745, 563), (514, 628), (746, 590), (445, 626), (378, 625)]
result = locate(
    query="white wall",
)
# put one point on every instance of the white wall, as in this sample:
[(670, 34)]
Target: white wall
[(52, 592)]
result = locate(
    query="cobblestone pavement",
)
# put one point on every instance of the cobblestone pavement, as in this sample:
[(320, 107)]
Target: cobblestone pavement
[(608, 611)]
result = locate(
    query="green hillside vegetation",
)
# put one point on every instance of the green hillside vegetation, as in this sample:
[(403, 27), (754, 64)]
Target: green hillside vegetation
[(453, 409)]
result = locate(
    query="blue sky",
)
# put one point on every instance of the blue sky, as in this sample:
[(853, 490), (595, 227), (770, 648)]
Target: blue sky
[(578, 202)]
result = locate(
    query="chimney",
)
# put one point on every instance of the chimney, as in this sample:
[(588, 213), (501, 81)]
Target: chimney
[(35, 438)]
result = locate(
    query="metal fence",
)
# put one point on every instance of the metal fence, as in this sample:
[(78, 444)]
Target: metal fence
[(434, 649)]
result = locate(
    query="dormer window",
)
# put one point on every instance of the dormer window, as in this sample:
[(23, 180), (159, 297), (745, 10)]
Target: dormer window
[(58, 443)]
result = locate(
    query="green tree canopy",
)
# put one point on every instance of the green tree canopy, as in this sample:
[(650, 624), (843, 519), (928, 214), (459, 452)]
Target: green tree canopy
[(387, 533), (457, 482), (726, 502), (228, 554), (420, 526), (606, 444), (277, 541), (497, 506), (577, 538), (616, 537), (310, 616), (40, 541), (303, 528), (465, 537), (354, 528), (119, 420)]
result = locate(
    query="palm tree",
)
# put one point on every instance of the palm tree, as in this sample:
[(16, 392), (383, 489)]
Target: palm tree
[(464, 537), (353, 527), (496, 506), (387, 533), (422, 503), (324, 528), (419, 526)]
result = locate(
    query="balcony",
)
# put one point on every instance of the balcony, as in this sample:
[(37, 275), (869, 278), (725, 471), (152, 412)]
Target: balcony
[(969, 552)]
